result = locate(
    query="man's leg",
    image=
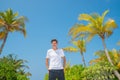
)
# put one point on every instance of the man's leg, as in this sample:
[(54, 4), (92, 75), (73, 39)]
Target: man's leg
[(60, 75), (52, 75)]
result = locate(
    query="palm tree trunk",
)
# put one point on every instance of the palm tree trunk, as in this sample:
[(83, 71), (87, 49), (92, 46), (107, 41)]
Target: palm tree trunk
[(83, 60), (3, 44), (109, 59)]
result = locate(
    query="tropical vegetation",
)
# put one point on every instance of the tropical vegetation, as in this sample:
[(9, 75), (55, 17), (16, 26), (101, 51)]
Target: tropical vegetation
[(107, 64), (12, 68)]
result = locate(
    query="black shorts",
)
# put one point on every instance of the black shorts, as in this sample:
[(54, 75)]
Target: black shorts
[(56, 74)]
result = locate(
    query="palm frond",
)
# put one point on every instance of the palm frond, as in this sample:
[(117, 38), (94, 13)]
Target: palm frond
[(110, 25), (80, 44), (95, 16), (21, 20), (90, 36), (95, 60), (104, 14), (22, 30), (70, 49), (79, 30), (86, 17)]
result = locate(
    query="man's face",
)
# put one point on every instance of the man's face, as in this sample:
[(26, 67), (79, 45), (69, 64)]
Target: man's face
[(54, 44)]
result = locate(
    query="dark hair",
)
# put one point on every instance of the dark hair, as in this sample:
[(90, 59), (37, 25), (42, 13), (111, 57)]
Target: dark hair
[(54, 40)]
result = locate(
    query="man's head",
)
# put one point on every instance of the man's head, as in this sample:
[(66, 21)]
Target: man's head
[(54, 43)]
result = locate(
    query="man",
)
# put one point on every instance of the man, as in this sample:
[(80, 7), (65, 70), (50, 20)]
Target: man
[(55, 62)]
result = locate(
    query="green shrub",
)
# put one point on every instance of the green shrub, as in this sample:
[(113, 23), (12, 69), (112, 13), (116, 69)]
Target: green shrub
[(12, 68), (99, 71), (74, 72)]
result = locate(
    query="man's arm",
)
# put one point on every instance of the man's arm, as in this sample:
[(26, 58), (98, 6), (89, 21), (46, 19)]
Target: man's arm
[(64, 61), (47, 63)]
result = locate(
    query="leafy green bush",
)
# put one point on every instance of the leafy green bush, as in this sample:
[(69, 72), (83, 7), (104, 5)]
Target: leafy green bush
[(12, 68), (74, 72), (99, 71)]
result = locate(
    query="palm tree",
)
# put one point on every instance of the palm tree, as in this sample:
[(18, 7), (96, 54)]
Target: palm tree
[(10, 22), (96, 26), (18, 63), (114, 54), (79, 47)]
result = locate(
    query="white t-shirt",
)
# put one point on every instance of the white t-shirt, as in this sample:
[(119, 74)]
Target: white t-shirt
[(55, 58)]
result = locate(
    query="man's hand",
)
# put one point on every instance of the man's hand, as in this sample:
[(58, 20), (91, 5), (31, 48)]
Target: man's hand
[(64, 61), (47, 63)]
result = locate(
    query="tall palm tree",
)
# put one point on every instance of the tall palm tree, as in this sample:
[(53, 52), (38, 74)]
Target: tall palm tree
[(96, 26), (80, 46), (10, 22)]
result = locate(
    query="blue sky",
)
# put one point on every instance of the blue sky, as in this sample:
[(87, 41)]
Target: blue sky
[(50, 19)]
